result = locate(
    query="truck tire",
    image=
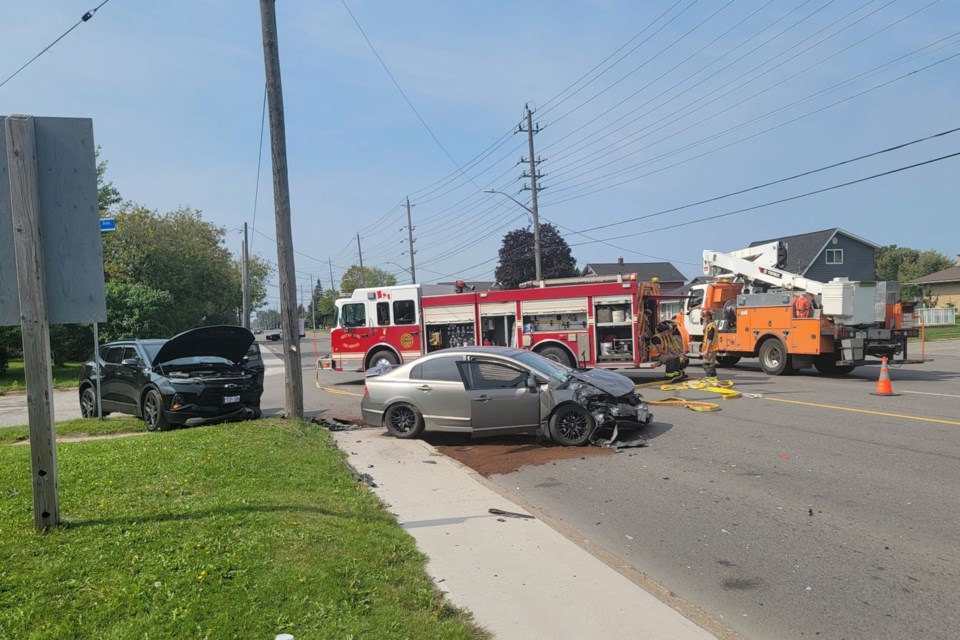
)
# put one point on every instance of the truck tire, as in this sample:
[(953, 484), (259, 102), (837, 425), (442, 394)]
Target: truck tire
[(774, 358), (383, 356), (827, 365), (557, 354)]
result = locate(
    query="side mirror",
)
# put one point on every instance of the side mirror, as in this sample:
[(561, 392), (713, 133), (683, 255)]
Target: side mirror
[(133, 363), (531, 382)]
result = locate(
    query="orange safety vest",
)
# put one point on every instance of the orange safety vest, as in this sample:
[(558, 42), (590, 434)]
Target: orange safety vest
[(667, 344), (710, 343), (801, 306)]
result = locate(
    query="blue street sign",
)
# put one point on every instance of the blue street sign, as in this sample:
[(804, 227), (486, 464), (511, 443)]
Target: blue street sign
[(108, 224)]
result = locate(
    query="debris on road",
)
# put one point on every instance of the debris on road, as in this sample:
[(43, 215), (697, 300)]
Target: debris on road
[(335, 425), (509, 514)]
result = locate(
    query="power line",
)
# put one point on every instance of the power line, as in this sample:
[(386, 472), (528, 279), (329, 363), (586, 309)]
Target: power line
[(789, 199), (84, 18)]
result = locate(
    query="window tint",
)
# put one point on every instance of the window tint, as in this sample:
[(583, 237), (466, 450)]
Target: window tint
[(493, 375), (383, 313), (439, 369), (404, 312), (354, 315), (113, 355)]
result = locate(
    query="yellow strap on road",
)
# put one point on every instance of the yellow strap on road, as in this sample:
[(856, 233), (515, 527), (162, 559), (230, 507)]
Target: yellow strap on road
[(722, 387), (693, 405)]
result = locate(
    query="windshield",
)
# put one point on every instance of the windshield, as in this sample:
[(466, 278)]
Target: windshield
[(336, 315), (152, 349), (547, 367)]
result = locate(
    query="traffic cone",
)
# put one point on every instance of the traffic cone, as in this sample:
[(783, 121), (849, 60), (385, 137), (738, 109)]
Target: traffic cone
[(884, 388)]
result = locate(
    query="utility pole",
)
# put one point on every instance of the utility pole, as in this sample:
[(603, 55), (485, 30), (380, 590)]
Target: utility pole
[(313, 301), (245, 322), (363, 279), (330, 266), (413, 269), (281, 200), (533, 188)]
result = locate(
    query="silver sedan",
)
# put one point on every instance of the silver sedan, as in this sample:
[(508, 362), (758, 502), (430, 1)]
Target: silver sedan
[(488, 391)]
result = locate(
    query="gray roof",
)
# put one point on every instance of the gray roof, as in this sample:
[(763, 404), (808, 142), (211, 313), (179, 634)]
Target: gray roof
[(645, 271), (803, 248), (947, 275)]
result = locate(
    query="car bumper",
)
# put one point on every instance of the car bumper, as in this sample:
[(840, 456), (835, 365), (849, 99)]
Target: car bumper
[(194, 418)]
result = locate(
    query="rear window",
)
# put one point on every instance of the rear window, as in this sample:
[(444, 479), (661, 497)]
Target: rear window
[(437, 369)]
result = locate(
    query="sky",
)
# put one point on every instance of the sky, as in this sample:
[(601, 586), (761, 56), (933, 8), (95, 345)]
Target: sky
[(644, 108)]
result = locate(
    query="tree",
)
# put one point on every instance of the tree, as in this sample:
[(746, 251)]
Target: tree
[(268, 319), (179, 253), (372, 277), (259, 271), (904, 265), (517, 263), (312, 307), (136, 311), (107, 194)]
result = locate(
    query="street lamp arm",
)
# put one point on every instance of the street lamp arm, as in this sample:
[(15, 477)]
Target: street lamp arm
[(511, 197)]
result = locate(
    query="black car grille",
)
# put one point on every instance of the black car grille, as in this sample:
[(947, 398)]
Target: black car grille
[(212, 397)]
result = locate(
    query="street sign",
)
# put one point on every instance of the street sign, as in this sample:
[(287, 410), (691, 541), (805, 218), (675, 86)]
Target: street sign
[(107, 224)]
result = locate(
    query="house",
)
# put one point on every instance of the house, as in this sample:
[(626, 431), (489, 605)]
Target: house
[(828, 254), (943, 285), (670, 279)]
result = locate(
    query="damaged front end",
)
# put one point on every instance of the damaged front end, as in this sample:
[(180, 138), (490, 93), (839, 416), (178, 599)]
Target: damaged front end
[(608, 411)]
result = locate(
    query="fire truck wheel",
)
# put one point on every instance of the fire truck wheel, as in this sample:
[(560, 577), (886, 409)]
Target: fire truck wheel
[(403, 421), (727, 361), (556, 354), (774, 358), (571, 425), (383, 357)]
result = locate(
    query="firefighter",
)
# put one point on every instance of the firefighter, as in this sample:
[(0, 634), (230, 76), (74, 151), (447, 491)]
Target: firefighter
[(666, 341), (708, 348)]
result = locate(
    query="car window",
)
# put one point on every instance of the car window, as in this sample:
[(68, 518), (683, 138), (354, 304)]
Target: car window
[(494, 375), (130, 352), (404, 312), (383, 314), (113, 355), (253, 353), (547, 367), (354, 315), (437, 369)]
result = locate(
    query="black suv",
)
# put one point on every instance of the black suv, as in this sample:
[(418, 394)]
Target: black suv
[(210, 374)]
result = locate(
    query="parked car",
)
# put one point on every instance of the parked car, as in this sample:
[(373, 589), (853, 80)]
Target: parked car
[(209, 374), (274, 335), (498, 390)]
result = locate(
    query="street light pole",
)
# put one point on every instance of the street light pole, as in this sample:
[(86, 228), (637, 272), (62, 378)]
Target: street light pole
[(536, 230)]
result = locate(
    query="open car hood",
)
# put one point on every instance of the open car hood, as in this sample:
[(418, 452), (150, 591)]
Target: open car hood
[(607, 381), (224, 341)]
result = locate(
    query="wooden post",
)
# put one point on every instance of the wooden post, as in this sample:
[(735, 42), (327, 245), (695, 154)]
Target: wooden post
[(281, 200), (25, 209)]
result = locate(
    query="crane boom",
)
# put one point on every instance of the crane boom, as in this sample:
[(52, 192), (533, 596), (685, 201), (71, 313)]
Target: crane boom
[(757, 265)]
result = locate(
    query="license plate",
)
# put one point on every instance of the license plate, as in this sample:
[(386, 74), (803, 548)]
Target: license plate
[(231, 399)]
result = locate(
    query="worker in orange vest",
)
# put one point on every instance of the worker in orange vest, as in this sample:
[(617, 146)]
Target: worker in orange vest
[(710, 344)]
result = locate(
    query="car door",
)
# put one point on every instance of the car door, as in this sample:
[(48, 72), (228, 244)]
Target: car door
[(127, 380), (437, 390), (110, 363), (500, 400)]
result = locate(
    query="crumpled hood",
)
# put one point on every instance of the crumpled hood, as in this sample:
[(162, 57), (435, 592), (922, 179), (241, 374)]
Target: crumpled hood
[(607, 381), (224, 341)]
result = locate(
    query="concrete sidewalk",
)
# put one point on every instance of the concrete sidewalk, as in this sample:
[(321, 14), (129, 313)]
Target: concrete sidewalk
[(519, 577)]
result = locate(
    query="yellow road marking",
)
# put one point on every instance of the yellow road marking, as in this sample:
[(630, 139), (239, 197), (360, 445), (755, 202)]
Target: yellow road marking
[(867, 411), (337, 391)]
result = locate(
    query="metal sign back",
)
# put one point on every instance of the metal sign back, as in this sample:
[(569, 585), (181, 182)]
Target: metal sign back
[(70, 232)]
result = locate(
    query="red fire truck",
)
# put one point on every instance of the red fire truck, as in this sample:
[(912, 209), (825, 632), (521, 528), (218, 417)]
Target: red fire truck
[(600, 321)]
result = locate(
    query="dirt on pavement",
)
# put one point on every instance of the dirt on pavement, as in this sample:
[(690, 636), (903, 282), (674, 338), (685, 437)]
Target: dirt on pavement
[(506, 454)]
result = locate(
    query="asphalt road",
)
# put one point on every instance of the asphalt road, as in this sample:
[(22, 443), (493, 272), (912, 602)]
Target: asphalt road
[(816, 511)]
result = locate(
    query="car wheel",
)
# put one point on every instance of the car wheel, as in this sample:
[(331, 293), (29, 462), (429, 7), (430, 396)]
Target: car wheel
[(153, 412), (557, 355), (571, 425), (257, 413), (774, 358), (727, 361), (383, 357), (403, 421), (88, 403)]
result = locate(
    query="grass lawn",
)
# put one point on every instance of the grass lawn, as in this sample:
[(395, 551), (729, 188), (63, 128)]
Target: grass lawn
[(113, 424), (942, 333), (243, 530), (63, 377)]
